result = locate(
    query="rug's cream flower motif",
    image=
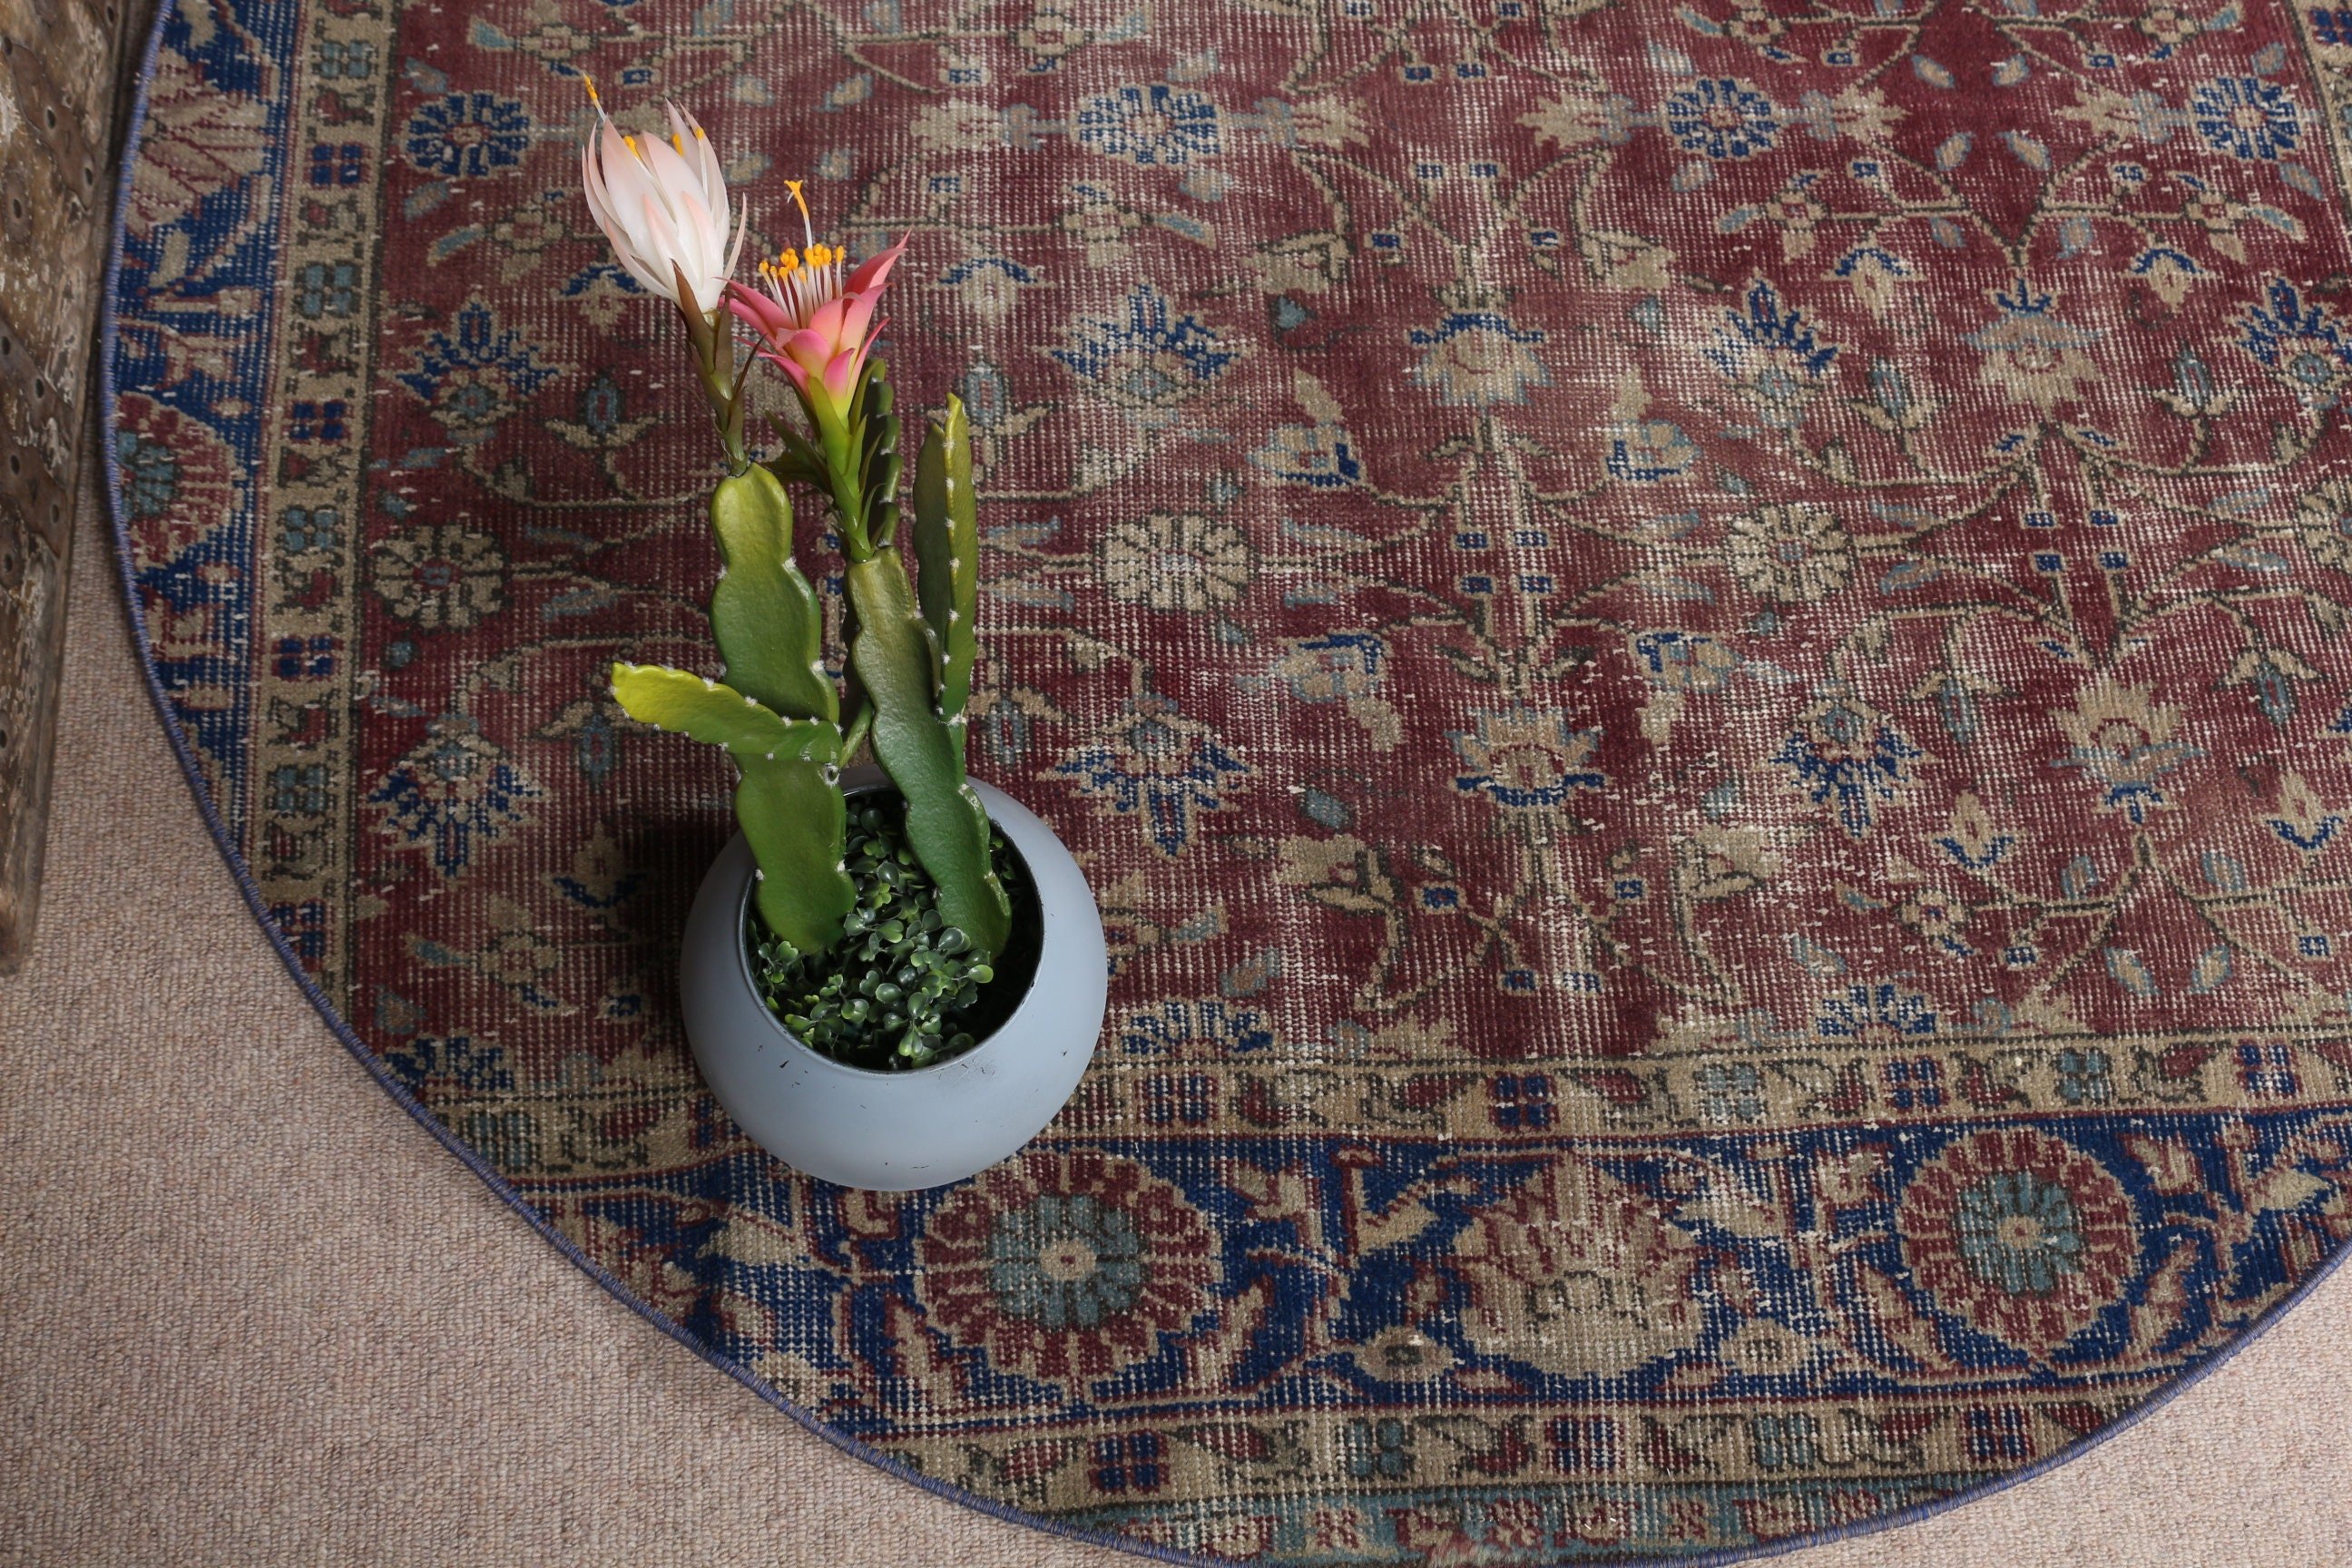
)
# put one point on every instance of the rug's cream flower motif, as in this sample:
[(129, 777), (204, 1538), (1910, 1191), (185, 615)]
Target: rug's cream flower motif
[(445, 575), (664, 207), (814, 322), (1794, 553), (1176, 561)]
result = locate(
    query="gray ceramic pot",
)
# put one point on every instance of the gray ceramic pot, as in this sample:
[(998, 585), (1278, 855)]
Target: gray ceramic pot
[(897, 1132)]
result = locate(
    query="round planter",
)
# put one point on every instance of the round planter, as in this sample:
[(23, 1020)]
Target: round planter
[(898, 1132)]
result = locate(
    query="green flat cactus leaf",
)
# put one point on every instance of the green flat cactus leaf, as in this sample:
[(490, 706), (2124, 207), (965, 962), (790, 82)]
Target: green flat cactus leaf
[(716, 714), (764, 612), (793, 814), (946, 554), (788, 800), (896, 657)]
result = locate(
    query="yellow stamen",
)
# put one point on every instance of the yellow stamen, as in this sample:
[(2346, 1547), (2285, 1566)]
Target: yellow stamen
[(788, 261), (700, 134), (630, 142), (590, 83), (822, 255)]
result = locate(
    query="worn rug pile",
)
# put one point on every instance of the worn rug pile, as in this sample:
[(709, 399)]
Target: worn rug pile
[(1695, 647)]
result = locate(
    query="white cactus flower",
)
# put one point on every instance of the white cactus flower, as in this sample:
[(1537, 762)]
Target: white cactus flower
[(664, 207)]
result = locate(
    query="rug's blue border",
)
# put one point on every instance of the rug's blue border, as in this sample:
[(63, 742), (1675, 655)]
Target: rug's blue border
[(490, 1178)]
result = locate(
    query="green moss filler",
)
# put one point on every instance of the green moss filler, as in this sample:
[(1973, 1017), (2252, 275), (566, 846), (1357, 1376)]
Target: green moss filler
[(901, 988)]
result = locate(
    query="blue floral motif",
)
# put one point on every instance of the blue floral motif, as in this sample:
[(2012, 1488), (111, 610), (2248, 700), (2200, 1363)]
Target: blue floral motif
[(454, 1060), (1478, 359), (1719, 117), (2246, 117), (2271, 675), (1849, 758), (2031, 352), (2304, 346), (1064, 1262), (2084, 1076), (151, 475), (467, 135), (604, 407), (474, 380), (988, 286), (1007, 725), (454, 788), (1153, 127), (987, 394), (1195, 1028), (984, 267), (1161, 763), (2311, 836), (1763, 323), (1378, 1449), (1769, 351), (2018, 1231), (1151, 361), (2156, 260), (1730, 1093), (1879, 1008)]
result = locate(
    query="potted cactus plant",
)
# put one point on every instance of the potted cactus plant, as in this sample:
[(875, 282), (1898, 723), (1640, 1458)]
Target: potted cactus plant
[(894, 975)]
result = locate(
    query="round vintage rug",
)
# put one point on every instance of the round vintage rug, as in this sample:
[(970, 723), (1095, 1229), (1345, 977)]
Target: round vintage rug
[(1697, 648)]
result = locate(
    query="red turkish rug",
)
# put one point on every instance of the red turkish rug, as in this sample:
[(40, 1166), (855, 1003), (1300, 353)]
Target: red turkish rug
[(1697, 650)]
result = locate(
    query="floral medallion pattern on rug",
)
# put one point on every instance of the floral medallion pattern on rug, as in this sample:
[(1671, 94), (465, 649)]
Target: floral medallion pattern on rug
[(1697, 651)]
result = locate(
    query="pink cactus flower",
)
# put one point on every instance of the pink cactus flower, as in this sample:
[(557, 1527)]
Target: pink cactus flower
[(813, 323)]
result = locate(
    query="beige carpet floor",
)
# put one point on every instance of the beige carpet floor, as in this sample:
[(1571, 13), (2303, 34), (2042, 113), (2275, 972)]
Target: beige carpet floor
[(251, 1314)]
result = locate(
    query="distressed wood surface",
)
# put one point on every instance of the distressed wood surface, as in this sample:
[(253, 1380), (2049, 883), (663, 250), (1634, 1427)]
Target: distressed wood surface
[(64, 102)]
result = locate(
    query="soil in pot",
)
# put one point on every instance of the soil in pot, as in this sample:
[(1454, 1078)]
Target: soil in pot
[(900, 989)]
